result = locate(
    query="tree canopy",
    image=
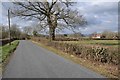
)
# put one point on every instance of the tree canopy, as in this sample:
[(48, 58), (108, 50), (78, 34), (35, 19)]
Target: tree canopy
[(55, 14)]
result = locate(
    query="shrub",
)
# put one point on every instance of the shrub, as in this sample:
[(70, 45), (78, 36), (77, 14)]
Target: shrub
[(95, 53)]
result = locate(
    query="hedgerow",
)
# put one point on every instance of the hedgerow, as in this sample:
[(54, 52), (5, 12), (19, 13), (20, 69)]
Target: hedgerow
[(94, 53)]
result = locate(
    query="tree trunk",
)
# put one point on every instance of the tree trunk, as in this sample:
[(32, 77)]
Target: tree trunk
[(52, 21), (52, 33)]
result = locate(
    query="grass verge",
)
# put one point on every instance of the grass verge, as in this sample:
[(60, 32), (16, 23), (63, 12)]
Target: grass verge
[(99, 68), (8, 49), (5, 52)]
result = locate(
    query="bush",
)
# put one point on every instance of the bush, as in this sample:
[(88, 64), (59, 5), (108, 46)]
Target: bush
[(95, 53), (5, 41)]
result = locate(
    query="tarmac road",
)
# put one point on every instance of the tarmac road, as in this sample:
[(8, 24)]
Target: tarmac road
[(32, 61)]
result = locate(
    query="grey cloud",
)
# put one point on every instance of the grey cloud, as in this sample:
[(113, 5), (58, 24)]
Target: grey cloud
[(100, 17), (102, 7)]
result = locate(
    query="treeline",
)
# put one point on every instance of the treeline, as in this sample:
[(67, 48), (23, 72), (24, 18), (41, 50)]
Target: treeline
[(5, 41), (19, 32), (15, 32), (26, 32), (106, 35)]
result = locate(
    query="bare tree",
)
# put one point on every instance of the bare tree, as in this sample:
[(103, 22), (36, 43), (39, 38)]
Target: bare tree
[(3, 32), (28, 30), (15, 32), (52, 13), (110, 34)]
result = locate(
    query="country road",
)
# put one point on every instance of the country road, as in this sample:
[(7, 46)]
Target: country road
[(32, 61)]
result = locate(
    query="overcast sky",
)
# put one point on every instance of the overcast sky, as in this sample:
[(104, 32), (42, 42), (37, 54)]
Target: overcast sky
[(100, 16)]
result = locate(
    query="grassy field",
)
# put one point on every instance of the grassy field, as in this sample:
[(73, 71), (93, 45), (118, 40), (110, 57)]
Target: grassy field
[(7, 49), (95, 42)]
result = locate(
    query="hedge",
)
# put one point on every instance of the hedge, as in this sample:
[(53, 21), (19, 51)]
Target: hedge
[(97, 53), (5, 41)]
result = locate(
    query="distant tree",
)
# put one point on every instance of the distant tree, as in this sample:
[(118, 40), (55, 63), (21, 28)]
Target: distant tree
[(65, 35), (15, 32), (35, 33), (94, 33), (28, 30), (76, 35), (3, 32), (23, 36), (110, 35), (51, 13)]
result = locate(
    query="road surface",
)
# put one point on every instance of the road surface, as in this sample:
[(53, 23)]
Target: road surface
[(32, 61)]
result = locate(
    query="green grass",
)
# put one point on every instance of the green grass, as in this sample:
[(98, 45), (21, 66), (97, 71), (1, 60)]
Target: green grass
[(7, 49), (95, 42)]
